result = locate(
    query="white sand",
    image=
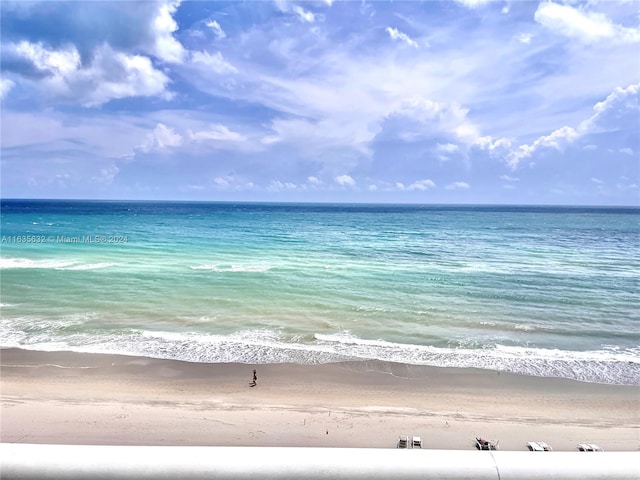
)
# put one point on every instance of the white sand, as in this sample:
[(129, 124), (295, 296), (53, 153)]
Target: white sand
[(103, 399)]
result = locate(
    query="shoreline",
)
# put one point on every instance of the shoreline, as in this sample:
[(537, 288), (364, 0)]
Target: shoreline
[(66, 397)]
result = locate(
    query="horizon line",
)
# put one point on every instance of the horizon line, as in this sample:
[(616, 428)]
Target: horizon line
[(312, 202)]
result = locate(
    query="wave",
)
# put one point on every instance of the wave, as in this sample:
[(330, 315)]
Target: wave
[(90, 266), (6, 263), (232, 268), (55, 264), (610, 365)]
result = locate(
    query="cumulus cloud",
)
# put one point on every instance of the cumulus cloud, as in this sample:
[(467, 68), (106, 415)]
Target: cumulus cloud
[(278, 186), (557, 140), (582, 25), (111, 75), (420, 185), (395, 34), (232, 183), (52, 63), (345, 180), (618, 102), (166, 47), (161, 139), (457, 186), (621, 104), (491, 144)]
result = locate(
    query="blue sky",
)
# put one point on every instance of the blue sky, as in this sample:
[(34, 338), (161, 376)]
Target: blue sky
[(511, 102)]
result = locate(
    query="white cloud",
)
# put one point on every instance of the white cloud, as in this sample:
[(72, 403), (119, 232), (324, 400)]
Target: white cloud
[(53, 62), (304, 15), (111, 75), (217, 132), (116, 75), (5, 86), (474, 3), (395, 34), (508, 178), (457, 186), (166, 47), (447, 148), (524, 38), (106, 175), (446, 117), (213, 62), (313, 180), (620, 100), (222, 182), (627, 186), (596, 180), (217, 29), (488, 143), (278, 186), (557, 139), (161, 139), (232, 183), (422, 185), (585, 26), (345, 180)]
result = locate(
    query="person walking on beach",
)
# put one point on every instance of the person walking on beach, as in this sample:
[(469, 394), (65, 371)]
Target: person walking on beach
[(255, 378)]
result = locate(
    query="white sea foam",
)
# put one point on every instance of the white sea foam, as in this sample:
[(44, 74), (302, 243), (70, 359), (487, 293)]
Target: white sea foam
[(7, 263), (90, 266), (615, 366), (232, 268), (54, 264)]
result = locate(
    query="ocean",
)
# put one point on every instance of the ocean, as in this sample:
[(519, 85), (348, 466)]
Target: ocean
[(544, 291)]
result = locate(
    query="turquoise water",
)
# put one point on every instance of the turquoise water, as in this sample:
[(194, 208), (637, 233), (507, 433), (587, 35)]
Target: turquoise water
[(548, 291)]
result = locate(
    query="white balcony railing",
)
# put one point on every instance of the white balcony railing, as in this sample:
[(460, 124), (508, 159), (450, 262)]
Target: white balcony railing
[(60, 462)]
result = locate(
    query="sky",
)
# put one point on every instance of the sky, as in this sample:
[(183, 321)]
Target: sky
[(467, 102)]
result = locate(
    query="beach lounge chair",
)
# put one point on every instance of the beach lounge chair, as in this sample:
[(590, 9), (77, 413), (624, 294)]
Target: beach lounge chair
[(538, 447), (403, 441), (589, 447), (417, 442), (482, 444)]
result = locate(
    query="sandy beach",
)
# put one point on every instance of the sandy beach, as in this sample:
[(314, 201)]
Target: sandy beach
[(71, 398)]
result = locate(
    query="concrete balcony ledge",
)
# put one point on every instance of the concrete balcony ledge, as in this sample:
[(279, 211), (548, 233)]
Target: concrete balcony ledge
[(31, 461)]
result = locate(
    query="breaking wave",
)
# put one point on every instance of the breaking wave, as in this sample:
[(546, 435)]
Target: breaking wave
[(263, 346)]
